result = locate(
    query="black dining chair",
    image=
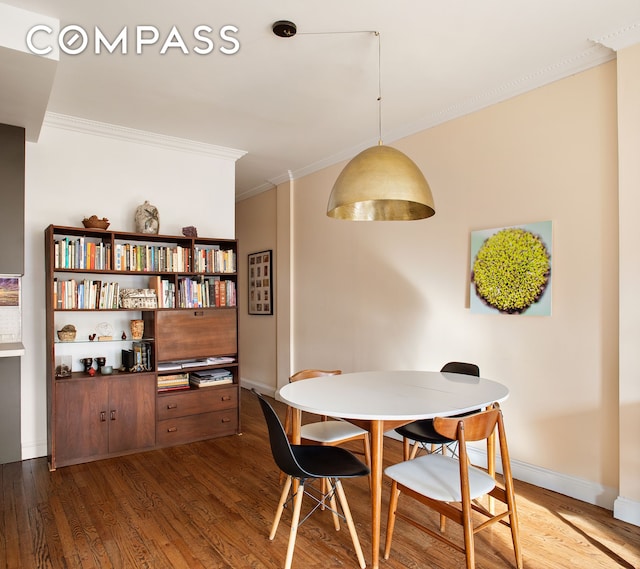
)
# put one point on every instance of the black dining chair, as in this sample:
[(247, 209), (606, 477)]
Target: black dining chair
[(303, 464), (421, 432)]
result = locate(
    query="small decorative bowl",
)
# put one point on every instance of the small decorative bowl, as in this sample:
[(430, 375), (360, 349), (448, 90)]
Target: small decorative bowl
[(94, 223), (66, 335)]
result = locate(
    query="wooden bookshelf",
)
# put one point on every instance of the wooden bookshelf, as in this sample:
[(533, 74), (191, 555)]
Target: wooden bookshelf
[(184, 290)]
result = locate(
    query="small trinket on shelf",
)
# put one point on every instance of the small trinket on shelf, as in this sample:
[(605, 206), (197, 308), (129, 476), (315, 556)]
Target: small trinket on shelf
[(124, 335), (92, 337), (105, 332)]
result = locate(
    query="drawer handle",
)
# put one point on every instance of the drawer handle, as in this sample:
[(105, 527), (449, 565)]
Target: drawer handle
[(172, 405), (225, 398), (198, 313), (226, 420), (113, 415), (103, 416), (172, 430)]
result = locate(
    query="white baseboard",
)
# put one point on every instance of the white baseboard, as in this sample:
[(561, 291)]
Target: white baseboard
[(34, 450), (627, 510), (261, 388)]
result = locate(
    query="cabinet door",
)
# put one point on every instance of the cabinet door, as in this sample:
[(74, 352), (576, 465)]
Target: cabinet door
[(81, 420), (196, 333), (132, 412)]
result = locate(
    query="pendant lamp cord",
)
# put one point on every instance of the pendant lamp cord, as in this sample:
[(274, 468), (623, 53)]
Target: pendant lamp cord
[(379, 90)]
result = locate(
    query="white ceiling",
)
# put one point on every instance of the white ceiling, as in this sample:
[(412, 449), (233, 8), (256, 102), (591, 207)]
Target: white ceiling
[(301, 103)]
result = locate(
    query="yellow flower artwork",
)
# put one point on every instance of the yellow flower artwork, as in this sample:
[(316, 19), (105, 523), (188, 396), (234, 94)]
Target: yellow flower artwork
[(511, 270)]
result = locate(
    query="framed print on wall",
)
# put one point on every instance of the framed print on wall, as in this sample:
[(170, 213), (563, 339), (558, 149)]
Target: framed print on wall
[(511, 270), (260, 283)]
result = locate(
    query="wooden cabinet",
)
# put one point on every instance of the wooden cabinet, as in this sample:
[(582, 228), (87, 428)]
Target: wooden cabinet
[(191, 321), (102, 416)]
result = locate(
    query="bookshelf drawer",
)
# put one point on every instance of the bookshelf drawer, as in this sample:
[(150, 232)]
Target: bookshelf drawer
[(196, 427), (196, 401)]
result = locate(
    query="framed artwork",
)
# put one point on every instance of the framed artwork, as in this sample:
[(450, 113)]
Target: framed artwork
[(10, 309), (511, 270), (260, 283)]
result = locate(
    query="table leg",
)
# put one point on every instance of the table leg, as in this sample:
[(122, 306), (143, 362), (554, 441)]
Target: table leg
[(296, 421), (377, 437)]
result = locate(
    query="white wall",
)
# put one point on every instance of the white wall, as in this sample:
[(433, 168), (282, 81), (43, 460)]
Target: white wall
[(78, 169)]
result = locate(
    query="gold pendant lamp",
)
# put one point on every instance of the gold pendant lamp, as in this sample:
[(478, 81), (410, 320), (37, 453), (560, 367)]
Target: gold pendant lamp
[(381, 183)]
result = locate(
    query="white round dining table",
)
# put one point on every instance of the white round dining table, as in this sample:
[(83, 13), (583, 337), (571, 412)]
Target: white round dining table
[(383, 400)]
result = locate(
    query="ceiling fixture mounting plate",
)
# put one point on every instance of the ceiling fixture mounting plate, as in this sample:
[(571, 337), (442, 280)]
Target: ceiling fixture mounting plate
[(284, 29)]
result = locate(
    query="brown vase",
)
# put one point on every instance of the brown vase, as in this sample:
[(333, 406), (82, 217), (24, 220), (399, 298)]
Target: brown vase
[(137, 329)]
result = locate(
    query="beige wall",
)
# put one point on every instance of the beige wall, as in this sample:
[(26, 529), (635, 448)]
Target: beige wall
[(629, 143), (257, 341), (396, 294)]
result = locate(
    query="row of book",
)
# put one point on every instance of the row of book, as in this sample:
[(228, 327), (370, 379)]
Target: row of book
[(173, 382), (70, 253), (200, 292), (196, 380), (82, 253), (152, 258), (214, 260), (206, 292), (86, 294)]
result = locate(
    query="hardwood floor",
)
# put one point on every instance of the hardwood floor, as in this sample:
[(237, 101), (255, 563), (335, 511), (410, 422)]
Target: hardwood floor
[(210, 505)]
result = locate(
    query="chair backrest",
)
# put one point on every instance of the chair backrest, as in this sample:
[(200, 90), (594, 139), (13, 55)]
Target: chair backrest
[(307, 373), (280, 446), (475, 427), (461, 367)]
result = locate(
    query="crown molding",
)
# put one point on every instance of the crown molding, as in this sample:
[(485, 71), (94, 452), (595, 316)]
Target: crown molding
[(596, 55), (619, 39), (85, 126)]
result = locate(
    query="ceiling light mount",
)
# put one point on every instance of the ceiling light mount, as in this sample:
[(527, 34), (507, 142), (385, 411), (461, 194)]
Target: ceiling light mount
[(284, 29)]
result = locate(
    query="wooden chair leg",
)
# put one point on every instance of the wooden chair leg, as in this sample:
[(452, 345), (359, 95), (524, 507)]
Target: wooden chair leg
[(332, 504), (367, 455), (283, 498), (491, 467), (469, 550), (405, 448), (295, 519), (391, 518), (350, 524)]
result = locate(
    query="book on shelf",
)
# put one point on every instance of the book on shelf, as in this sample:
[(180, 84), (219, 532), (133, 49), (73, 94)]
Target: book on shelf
[(220, 360), (194, 362), (199, 362), (209, 377), (173, 381), (169, 366), (174, 388)]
